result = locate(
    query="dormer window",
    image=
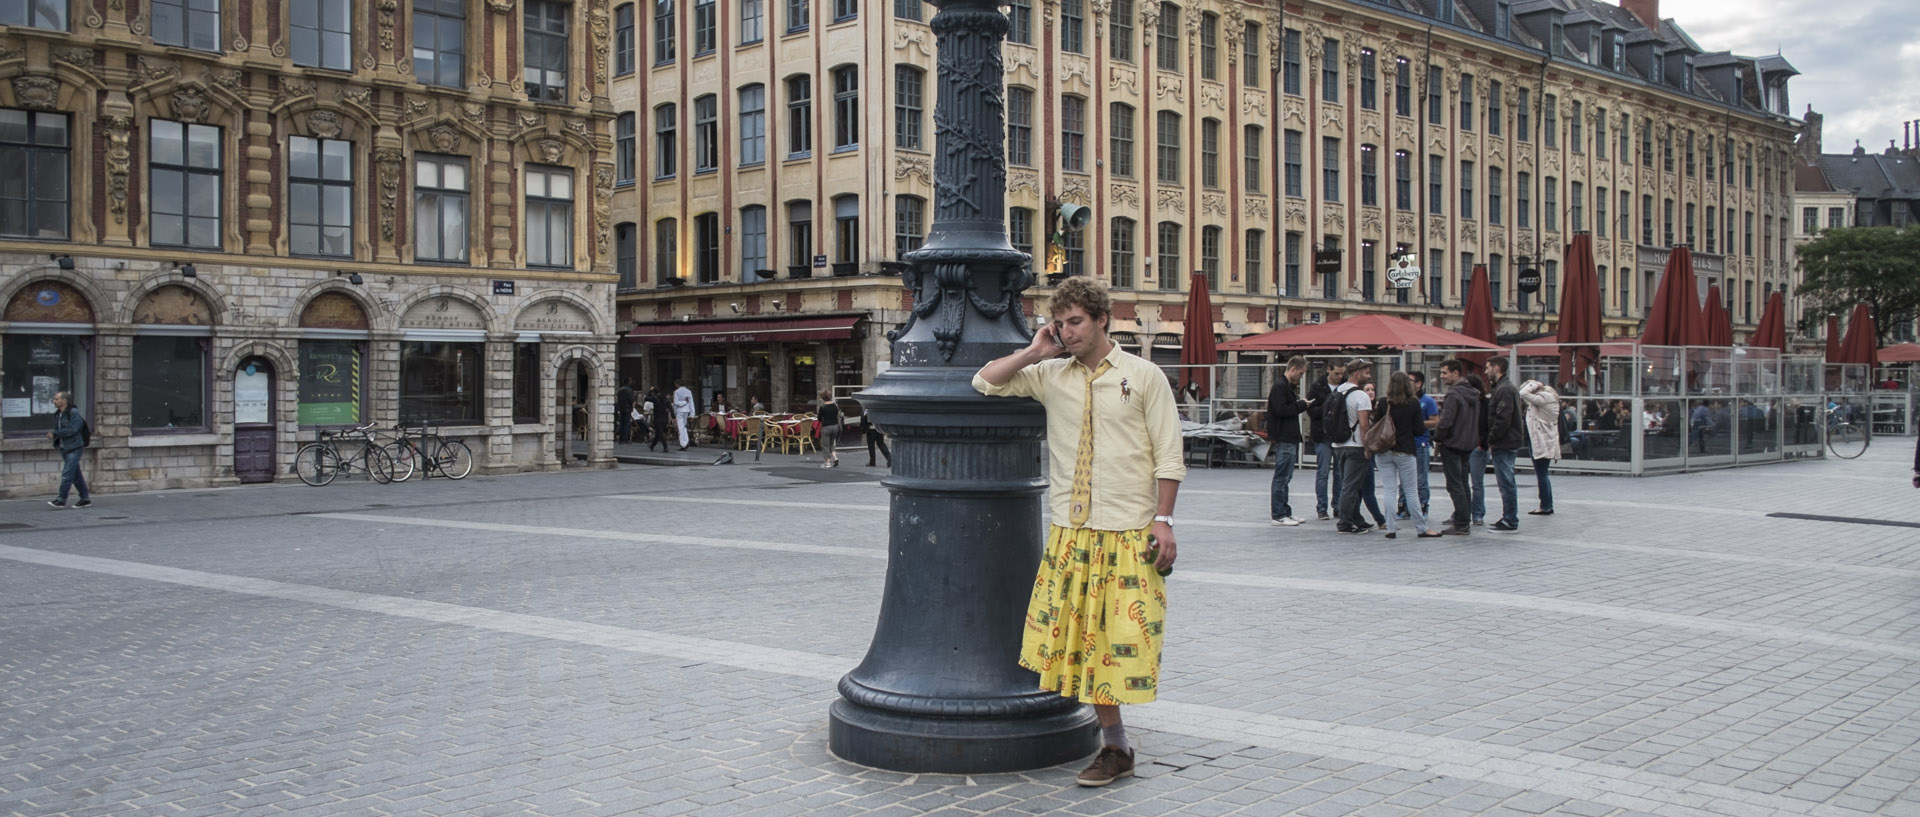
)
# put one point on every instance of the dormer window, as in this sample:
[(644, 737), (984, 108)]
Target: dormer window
[(1655, 64), (1503, 20), (1556, 36), (1686, 74), (1619, 53)]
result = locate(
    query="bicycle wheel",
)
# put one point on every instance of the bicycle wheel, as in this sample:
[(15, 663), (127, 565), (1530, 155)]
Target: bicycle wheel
[(379, 466), (455, 460), (401, 455), (1847, 441), (316, 464)]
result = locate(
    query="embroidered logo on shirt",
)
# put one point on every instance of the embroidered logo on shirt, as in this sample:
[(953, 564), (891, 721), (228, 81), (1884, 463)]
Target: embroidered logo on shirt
[(1126, 391)]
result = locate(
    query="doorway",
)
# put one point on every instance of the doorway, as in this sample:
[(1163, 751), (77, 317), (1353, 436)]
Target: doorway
[(253, 429), (574, 409)]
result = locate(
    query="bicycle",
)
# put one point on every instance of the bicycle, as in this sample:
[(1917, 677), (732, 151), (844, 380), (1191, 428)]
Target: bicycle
[(317, 463), (422, 447), (1845, 439)]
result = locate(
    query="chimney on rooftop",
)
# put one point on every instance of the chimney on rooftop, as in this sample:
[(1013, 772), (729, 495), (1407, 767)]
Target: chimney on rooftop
[(1647, 10)]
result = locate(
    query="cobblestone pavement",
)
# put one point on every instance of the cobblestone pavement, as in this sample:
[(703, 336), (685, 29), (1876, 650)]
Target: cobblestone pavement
[(665, 641)]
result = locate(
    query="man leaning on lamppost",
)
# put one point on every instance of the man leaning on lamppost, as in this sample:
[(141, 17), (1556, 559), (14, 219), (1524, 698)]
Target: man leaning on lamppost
[(1095, 621)]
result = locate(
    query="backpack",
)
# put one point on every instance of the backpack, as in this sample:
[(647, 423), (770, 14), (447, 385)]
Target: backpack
[(1333, 416), (1381, 434)]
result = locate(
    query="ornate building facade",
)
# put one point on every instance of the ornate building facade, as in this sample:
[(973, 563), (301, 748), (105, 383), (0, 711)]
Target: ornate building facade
[(227, 226), (776, 156)]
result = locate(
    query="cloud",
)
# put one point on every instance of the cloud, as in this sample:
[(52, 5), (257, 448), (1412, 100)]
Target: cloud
[(1857, 59)]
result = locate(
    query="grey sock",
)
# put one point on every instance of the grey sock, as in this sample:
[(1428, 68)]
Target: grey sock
[(1115, 736)]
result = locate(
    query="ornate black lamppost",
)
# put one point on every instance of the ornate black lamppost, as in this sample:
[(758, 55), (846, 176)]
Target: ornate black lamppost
[(940, 689)]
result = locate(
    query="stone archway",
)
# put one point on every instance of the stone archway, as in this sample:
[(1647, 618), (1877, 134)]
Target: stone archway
[(575, 415)]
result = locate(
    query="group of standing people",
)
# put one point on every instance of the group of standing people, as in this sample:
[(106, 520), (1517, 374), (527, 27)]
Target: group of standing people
[(652, 415), (1481, 419)]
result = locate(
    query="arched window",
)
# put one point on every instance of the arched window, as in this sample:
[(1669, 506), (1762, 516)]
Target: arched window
[(48, 347), (333, 372)]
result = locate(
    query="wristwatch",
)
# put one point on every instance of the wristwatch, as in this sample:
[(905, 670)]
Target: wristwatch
[(1166, 519)]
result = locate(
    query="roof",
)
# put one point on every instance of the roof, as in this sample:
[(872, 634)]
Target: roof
[(1775, 64), (1809, 179), (1873, 175)]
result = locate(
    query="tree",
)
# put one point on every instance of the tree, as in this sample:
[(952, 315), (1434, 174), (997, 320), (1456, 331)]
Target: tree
[(1877, 266)]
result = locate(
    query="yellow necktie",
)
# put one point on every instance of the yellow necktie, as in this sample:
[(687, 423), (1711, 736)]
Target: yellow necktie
[(1082, 506)]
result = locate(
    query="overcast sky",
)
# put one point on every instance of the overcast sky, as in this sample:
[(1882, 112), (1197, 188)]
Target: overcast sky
[(1859, 60)]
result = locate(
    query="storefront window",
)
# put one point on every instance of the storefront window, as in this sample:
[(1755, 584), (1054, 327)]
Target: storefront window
[(169, 383), (803, 387), (36, 366), (330, 382), (441, 382), (526, 382)]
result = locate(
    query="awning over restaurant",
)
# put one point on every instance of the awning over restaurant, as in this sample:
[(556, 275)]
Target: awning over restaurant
[(765, 330)]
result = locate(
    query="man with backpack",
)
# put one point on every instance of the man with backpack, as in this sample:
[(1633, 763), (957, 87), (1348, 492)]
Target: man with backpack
[(1345, 421), (71, 435), (1326, 469)]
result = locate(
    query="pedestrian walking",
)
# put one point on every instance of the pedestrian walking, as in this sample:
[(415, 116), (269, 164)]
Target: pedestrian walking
[(829, 417), (683, 406), (1326, 468), (1457, 433), (1346, 426), (874, 438), (1284, 406), (1477, 462), (1096, 617), (1398, 464), (1543, 433), (1423, 442), (70, 435), (662, 413), (1506, 432), (623, 411)]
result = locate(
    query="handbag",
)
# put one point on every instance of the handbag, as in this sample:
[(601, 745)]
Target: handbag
[(1381, 435)]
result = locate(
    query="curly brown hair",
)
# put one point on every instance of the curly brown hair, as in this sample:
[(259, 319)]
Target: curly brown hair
[(1090, 294)]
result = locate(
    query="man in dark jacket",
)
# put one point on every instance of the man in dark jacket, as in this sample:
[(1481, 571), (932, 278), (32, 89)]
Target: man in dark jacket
[(70, 437), (1506, 432), (1284, 407), (623, 412), (1326, 469), (1456, 434)]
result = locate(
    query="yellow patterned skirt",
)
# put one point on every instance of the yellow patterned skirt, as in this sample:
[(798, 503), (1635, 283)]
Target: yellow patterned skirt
[(1095, 621)]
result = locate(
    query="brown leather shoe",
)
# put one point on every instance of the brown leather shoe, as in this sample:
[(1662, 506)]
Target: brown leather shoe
[(1108, 766)]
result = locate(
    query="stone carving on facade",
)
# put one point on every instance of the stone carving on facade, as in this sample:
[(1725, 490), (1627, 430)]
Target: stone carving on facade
[(1404, 134), (1403, 224), (1524, 244), (1526, 159), (578, 126), (1236, 27), (500, 6), (37, 92), (1370, 125), (1469, 234), (387, 9), (232, 79), (530, 120), (1334, 220), (603, 210), (1257, 208), (1498, 240), (1149, 21), (1295, 110), (1671, 188), (1169, 86), (1101, 8), (1437, 228), (1315, 38), (79, 57), (1076, 189), (1075, 66), (475, 113), (1331, 119), (360, 96), (1215, 203), (1171, 201), (11, 52), (1370, 222), (1273, 39), (553, 150), (1017, 179), (1497, 153), (1020, 59), (119, 134), (188, 104), (599, 24), (1296, 214), (292, 88), (912, 37), (410, 107), (1118, 78), (1213, 95), (1253, 104), (324, 124), (388, 160), (1046, 12), (444, 138), (908, 166), (1192, 16), (1469, 148), (1553, 162), (1122, 193)]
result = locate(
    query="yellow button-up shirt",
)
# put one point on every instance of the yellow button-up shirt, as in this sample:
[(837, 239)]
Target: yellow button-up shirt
[(1136, 434)]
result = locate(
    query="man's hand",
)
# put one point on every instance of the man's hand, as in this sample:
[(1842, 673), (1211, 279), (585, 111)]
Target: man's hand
[(998, 372), (1169, 550)]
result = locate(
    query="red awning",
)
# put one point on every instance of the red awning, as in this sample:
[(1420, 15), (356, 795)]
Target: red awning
[(1359, 332), (786, 329)]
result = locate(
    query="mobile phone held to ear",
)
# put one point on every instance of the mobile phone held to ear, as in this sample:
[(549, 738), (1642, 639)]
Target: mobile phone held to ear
[(1055, 335)]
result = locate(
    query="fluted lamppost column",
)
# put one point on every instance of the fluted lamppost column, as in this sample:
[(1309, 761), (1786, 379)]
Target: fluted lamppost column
[(941, 689)]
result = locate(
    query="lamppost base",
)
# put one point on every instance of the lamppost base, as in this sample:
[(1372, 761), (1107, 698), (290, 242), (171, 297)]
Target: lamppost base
[(934, 745)]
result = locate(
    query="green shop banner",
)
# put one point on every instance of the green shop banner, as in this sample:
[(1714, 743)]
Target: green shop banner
[(330, 384)]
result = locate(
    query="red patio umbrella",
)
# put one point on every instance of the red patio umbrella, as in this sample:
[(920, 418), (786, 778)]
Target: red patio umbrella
[(1772, 331), (1716, 321), (1358, 332), (1900, 353), (1196, 340), (1479, 318), (1579, 312), (1833, 339), (1675, 320), (1862, 344)]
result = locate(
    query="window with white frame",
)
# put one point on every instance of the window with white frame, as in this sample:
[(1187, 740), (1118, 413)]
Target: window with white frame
[(909, 106), (706, 134), (549, 216), (441, 192)]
